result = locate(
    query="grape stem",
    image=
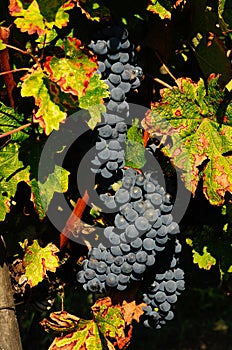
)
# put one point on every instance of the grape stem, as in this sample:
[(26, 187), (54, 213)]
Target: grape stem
[(163, 83)]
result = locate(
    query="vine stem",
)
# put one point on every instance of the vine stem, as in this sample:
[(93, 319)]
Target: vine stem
[(14, 70), (22, 51), (162, 83), (15, 130)]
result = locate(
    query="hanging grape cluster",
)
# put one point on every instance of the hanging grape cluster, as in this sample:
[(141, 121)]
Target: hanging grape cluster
[(143, 228)]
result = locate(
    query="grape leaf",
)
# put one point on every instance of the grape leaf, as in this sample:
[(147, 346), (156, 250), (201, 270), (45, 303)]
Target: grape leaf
[(204, 260), (73, 72), (106, 326), (93, 99), (162, 8), (39, 16), (12, 171), (42, 193), (10, 120), (132, 311), (37, 261), (48, 113), (135, 151), (198, 144)]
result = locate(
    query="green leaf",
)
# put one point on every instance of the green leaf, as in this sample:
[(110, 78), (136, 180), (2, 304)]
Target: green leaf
[(37, 261), (29, 20), (205, 260), (39, 16), (12, 172), (10, 120), (162, 8), (2, 45), (48, 114), (199, 145), (42, 193), (135, 151), (73, 72), (93, 99)]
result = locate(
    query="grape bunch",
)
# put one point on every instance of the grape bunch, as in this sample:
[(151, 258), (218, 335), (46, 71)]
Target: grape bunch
[(141, 243), (161, 296), (142, 228), (116, 60)]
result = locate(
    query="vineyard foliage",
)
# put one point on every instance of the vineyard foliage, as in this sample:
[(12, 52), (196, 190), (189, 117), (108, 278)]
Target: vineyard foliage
[(48, 72)]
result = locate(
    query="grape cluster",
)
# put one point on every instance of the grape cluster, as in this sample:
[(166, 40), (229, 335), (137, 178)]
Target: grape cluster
[(142, 227), (143, 237), (116, 65), (163, 293)]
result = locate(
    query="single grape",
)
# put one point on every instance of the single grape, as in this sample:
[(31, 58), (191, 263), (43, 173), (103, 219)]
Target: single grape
[(137, 243), (109, 258), (117, 94), (112, 106), (117, 68), (172, 299), (180, 285), (139, 268), (162, 231), (94, 285), (115, 79), (136, 192), (131, 258), (122, 196), (156, 199), (100, 48), (114, 145), (121, 127), (114, 44), (124, 57), (126, 268), (100, 145), (141, 256), (101, 267), (81, 276), (160, 297), (125, 45), (125, 247), (173, 228), (106, 174), (131, 215), (111, 280), (148, 244), (119, 260), (115, 269), (169, 316), (151, 215), (142, 224), (105, 131), (149, 187), (123, 279), (123, 107), (120, 222), (125, 86), (170, 286), (150, 260), (112, 166), (114, 239), (139, 206), (169, 275), (89, 274), (116, 251), (131, 232)]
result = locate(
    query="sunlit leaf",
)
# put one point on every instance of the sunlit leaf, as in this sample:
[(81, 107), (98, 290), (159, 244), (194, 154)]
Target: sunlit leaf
[(73, 72), (102, 332), (93, 99), (39, 16), (199, 144), (12, 171), (135, 151), (42, 193), (37, 261), (161, 8), (48, 114)]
